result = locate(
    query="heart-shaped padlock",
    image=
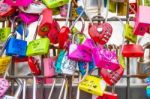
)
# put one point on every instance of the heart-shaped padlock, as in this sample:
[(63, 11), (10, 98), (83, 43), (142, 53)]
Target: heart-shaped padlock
[(100, 32)]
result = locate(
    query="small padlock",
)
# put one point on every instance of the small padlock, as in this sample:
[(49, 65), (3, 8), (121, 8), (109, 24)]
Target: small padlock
[(19, 2), (28, 18), (112, 6), (100, 32), (108, 95), (54, 3), (45, 22), (54, 32), (6, 10), (63, 10), (122, 9), (128, 32), (4, 32), (142, 23), (112, 77), (36, 7), (143, 66)]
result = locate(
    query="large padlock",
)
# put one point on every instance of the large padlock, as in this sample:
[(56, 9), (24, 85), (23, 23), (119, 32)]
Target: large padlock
[(36, 7), (142, 23), (143, 66), (54, 3), (77, 53), (45, 22), (34, 65), (19, 2), (100, 32), (6, 10), (49, 68), (16, 46), (4, 32), (128, 32), (93, 85), (105, 59), (28, 18), (112, 77), (54, 32)]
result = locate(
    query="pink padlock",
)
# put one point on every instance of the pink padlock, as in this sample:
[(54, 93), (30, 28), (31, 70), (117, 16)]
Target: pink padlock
[(28, 18), (4, 85), (49, 69), (142, 20), (63, 10), (105, 59), (18, 2)]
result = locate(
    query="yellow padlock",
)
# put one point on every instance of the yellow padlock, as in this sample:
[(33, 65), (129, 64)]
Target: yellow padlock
[(112, 6), (122, 9), (146, 2), (128, 33), (93, 85)]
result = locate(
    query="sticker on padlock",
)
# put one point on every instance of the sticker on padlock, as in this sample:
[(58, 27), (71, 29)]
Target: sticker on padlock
[(93, 85), (100, 32), (6, 10), (45, 22), (28, 18), (54, 3), (34, 65), (19, 2), (112, 77)]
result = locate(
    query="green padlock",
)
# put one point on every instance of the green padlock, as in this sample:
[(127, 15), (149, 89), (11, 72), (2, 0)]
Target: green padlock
[(128, 33), (38, 47), (121, 59), (54, 3), (4, 33), (146, 2), (112, 6)]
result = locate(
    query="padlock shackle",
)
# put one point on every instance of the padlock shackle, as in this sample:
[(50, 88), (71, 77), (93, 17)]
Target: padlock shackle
[(62, 88), (24, 89), (34, 88), (5, 44), (74, 35), (68, 12), (19, 89), (52, 89)]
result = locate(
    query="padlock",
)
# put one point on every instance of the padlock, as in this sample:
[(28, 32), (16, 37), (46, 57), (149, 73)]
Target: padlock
[(122, 9), (112, 77), (28, 18), (133, 8), (55, 3), (79, 11), (128, 32), (16, 46), (74, 12), (36, 7), (93, 85), (148, 86), (68, 66), (49, 68), (6, 10), (63, 10), (146, 2), (76, 53), (19, 2), (105, 59), (45, 22), (54, 32), (4, 32), (141, 23), (143, 66), (59, 62), (112, 6), (18, 91), (121, 59), (34, 65), (100, 32), (108, 95)]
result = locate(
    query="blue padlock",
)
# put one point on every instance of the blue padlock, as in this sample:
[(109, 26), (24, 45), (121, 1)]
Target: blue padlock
[(148, 91), (59, 62), (82, 67), (79, 11)]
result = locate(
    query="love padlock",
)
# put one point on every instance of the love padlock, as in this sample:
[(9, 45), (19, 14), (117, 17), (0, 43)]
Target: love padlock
[(100, 32), (108, 95), (19, 2), (112, 77)]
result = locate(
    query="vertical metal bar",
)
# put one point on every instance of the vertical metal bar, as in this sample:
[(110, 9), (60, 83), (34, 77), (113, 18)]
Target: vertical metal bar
[(12, 72), (128, 60)]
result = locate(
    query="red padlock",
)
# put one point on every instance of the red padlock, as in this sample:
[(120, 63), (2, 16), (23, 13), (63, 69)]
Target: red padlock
[(133, 6), (112, 77), (54, 32), (108, 95), (45, 22), (34, 66), (132, 50), (100, 32), (20, 59), (63, 36)]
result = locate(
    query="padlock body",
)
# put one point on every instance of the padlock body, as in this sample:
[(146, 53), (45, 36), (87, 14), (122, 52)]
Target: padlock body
[(38, 47), (19, 2), (108, 95), (16, 47), (4, 85), (54, 3), (4, 62), (4, 33)]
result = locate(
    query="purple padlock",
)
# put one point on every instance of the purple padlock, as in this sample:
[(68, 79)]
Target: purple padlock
[(105, 59)]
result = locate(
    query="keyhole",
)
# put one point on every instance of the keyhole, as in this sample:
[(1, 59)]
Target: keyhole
[(99, 30)]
